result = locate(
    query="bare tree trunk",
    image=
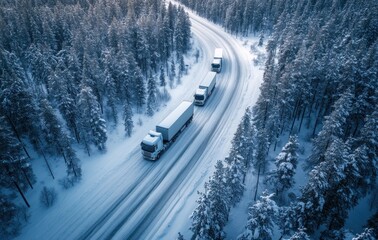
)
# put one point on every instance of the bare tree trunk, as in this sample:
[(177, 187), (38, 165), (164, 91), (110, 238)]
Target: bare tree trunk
[(300, 124), (44, 157), (48, 165), (22, 194), (257, 184), (27, 178)]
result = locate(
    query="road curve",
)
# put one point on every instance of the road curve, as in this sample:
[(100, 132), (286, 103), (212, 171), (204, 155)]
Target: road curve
[(214, 117), (141, 195)]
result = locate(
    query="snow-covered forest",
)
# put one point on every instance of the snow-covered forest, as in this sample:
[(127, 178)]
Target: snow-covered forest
[(321, 83), (70, 69), (73, 71)]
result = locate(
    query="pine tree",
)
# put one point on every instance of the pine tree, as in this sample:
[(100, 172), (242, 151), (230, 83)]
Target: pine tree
[(286, 164), (243, 143), (333, 128), (182, 68), (9, 225), (55, 136), (163, 83), (128, 119), (300, 234), (234, 180), (373, 223), (172, 74), (261, 218), (111, 94), (318, 203), (201, 218), (17, 102), (93, 127), (219, 201), (139, 86), (367, 234), (151, 98), (17, 173)]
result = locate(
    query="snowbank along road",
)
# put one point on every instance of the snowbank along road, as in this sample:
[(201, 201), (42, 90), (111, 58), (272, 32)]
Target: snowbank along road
[(146, 198)]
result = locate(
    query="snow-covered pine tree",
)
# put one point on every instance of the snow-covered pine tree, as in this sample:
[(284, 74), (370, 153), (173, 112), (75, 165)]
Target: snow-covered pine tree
[(318, 203), (151, 96), (55, 136), (17, 103), (139, 88), (366, 152), (128, 118), (163, 82), (261, 218), (39, 65), (93, 127), (282, 178), (243, 143), (261, 150), (110, 87), (300, 234), (16, 171), (234, 175), (373, 223), (182, 68), (111, 96), (367, 234), (201, 218), (332, 128), (182, 32), (172, 73), (219, 199), (9, 224)]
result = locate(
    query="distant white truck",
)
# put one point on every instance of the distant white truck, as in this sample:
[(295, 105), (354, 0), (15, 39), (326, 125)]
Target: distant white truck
[(205, 88), (156, 142), (216, 65)]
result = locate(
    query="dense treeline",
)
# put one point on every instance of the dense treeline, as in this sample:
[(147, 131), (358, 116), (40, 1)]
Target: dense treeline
[(322, 75), (321, 78), (241, 16), (69, 69)]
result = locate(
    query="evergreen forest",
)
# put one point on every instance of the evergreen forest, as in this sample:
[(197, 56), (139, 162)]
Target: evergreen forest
[(69, 71), (321, 81)]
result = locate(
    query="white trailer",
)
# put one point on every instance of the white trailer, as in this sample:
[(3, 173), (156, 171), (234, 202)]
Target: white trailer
[(156, 142), (205, 88), (216, 65)]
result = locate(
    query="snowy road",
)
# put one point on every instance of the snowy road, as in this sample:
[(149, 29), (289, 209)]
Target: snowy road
[(139, 199), (143, 203)]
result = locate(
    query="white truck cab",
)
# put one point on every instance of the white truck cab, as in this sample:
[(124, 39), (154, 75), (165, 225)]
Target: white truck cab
[(152, 145), (200, 96)]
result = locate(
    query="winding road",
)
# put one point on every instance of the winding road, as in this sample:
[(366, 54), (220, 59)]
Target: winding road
[(148, 200)]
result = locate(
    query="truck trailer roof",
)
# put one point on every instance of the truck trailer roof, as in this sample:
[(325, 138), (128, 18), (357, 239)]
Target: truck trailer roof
[(206, 82), (218, 53), (172, 117)]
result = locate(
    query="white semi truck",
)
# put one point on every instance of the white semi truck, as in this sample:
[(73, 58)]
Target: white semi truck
[(156, 142), (205, 88), (216, 65)]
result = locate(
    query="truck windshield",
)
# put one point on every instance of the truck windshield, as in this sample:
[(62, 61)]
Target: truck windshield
[(148, 148), (215, 65), (198, 97)]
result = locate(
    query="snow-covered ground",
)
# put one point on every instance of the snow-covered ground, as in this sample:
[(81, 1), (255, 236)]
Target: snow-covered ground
[(122, 196)]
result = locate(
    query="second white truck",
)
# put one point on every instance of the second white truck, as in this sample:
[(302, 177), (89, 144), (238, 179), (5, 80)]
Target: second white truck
[(156, 142), (205, 88), (216, 65)]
